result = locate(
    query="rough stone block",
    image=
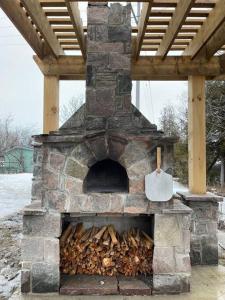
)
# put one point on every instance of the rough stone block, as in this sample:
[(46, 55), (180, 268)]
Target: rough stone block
[(98, 145), (100, 202), (136, 204), (98, 15), (119, 122), (209, 250), (98, 60), (168, 230), (119, 61), (183, 263), (48, 225), (95, 123), (124, 84), (45, 278), (139, 169), (134, 152), (137, 186), (97, 33), (74, 185), (51, 250), (55, 200), (36, 191), (25, 281), (123, 104), (79, 203), (97, 47), (171, 284), (32, 249), (57, 161), (37, 171), (116, 147), (119, 33), (83, 154), (116, 14), (163, 260), (50, 179), (117, 203), (75, 169)]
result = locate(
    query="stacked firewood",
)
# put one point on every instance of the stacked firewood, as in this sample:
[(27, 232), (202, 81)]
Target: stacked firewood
[(104, 251)]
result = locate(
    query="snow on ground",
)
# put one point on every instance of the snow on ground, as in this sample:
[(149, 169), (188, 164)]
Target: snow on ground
[(15, 192)]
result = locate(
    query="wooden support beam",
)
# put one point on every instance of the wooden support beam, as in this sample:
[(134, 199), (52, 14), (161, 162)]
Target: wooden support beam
[(196, 135), (142, 25), (51, 104), (146, 68), (37, 14), (178, 19), (74, 13), (215, 20), (18, 17)]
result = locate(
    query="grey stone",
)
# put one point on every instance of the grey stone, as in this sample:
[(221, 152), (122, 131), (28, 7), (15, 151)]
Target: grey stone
[(119, 33), (75, 169), (36, 190), (97, 15), (50, 179), (37, 171), (55, 199), (183, 263), (57, 161), (116, 147), (139, 169), (134, 151), (100, 202), (95, 123), (25, 281), (122, 122), (209, 250), (116, 14), (118, 61), (163, 260), (168, 230), (136, 204), (99, 147), (32, 249), (97, 33), (97, 47), (74, 185), (48, 225), (100, 60), (51, 250), (124, 84), (45, 278), (171, 284)]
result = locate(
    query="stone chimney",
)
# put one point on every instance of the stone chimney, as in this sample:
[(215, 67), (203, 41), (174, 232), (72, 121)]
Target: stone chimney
[(108, 84)]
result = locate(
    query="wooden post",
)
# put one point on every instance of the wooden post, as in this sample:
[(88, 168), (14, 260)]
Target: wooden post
[(51, 104), (196, 135)]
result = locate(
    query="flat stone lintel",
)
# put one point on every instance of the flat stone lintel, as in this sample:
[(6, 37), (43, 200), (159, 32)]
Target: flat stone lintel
[(208, 197), (34, 208)]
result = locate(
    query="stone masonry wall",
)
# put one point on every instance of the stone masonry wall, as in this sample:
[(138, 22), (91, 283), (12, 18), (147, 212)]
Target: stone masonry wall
[(108, 85)]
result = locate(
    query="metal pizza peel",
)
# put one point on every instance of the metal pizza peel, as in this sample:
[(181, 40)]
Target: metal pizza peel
[(159, 184)]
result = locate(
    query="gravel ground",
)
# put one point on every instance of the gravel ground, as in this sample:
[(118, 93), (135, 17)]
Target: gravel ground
[(10, 236)]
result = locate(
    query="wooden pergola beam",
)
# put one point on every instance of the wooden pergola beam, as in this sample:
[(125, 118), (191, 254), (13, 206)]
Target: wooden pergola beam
[(146, 68), (74, 13), (213, 23), (142, 24), (179, 16), (18, 17), (37, 14)]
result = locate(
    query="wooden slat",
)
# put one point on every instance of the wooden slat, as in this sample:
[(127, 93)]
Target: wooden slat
[(61, 21), (166, 21), (74, 13), (180, 14), (215, 19), (142, 24), (52, 3), (38, 17), (169, 13), (173, 3), (145, 68), (62, 12), (18, 17)]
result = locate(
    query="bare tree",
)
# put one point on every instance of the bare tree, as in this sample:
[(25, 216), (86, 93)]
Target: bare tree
[(69, 109), (12, 136)]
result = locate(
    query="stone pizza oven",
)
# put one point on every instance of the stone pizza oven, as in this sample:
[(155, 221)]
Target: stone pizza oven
[(93, 168)]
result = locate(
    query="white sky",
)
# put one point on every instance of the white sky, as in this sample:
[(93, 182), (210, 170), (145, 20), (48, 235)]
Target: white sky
[(21, 84)]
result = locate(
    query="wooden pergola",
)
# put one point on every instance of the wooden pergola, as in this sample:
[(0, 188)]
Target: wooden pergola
[(174, 40)]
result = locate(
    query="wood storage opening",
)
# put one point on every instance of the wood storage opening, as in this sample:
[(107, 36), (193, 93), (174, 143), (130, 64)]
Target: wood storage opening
[(107, 246)]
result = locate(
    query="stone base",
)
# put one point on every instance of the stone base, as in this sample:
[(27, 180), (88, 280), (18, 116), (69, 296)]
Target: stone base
[(204, 219), (171, 284), (104, 285)]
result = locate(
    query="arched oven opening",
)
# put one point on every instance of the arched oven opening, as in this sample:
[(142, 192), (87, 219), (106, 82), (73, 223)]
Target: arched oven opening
[(106, 176)]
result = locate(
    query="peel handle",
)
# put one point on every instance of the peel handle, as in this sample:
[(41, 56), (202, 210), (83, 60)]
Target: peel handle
[(158, 159)]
